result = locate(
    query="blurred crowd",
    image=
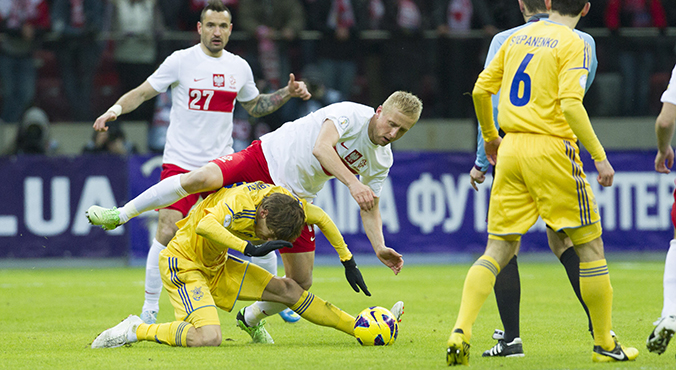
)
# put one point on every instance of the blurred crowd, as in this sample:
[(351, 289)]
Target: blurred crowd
[(73, 58)]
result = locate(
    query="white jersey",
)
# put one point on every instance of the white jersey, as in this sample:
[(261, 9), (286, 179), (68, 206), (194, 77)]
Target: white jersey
[(288, 150), (203, 92), (669, 95)]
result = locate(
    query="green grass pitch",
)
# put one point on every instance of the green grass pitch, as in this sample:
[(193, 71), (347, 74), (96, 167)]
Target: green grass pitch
[(50, 316)]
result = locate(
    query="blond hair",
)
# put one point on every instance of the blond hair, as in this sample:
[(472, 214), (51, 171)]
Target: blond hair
[(405, 102)]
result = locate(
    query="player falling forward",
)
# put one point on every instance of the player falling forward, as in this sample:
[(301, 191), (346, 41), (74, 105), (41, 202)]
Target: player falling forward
[(665, 327), (340, 140), (199, 274), (541, 72), (205, 80)]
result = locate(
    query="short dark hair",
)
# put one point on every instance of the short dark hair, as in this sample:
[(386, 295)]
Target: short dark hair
[(285, 216), (569, 8), (215, 5), (536, 6)]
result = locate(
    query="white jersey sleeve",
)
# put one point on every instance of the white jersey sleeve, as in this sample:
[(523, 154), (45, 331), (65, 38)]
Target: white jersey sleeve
[(669, 95), (288, 150)]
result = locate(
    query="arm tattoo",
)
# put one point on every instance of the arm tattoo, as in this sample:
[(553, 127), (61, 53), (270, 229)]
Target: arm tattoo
[(268, 103)]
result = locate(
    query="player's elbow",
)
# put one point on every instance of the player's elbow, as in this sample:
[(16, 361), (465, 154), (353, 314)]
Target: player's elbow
[(665, 123), (478, 92)]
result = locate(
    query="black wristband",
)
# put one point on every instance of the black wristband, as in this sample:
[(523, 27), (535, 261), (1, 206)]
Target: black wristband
[(478, 168)]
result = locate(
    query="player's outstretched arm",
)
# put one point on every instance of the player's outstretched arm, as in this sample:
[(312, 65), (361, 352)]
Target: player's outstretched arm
[(373, 225), (325, 153), (265, 104), (127, 103), (317, 216), (664, 130)]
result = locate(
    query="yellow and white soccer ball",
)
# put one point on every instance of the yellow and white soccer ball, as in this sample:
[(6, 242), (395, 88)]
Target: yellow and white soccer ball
[(376, 326)]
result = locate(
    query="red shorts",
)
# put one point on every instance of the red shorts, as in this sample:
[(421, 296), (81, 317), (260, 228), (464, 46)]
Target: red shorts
[(184, 205), (249, 165)]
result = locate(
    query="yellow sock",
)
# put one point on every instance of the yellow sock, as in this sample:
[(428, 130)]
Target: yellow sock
[(171, 333), (597, 294), (478, 285), (320, 312)]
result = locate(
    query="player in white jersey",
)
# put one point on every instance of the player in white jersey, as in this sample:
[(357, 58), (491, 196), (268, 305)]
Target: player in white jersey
[(664, 128), (507, 285), (205, 81), (341, 140)]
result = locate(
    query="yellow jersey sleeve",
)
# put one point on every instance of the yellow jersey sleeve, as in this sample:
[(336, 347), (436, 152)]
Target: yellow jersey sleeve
[(317, 216), (213, 224), (574, 62)]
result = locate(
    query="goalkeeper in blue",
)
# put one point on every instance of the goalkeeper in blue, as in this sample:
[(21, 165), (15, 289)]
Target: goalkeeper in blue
[(200, 276)]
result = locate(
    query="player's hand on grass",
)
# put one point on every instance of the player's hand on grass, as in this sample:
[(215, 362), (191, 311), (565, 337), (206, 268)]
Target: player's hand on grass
[(261, 250), (476, 177), (390, 258), (606, 172), (100, 123), (297, 89), (662, 157), (362, 194), (354, 277), (491, 148)]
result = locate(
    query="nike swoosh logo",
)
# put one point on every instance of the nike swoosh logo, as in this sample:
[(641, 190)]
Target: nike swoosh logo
[(198, 79), (312, 239), (619, 357)]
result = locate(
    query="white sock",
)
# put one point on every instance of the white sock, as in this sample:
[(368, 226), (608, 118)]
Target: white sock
[(153, 279), (260, 310), (669, 307), (267, 262), (160, 195)]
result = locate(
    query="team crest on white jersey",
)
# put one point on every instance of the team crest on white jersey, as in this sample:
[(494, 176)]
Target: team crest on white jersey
[(233, 82), (353, 157), (343, 121), (219, 80)]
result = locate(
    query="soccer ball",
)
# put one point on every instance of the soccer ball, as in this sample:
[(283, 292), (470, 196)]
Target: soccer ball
[(376, 326)]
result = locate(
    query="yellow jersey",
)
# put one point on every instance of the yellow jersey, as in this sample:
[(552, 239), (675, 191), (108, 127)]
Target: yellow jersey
[(533, 70), (230, 214)]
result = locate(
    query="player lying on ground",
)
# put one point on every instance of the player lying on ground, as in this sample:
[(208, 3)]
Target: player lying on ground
[(200, 275), (341, 140)]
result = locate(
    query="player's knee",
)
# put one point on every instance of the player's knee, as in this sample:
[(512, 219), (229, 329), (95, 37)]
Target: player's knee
[(207, 338), (305, 283), (165, 232)]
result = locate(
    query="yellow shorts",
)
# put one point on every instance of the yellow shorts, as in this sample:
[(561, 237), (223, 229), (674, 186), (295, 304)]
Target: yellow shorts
[(540, 175), (195, 291)]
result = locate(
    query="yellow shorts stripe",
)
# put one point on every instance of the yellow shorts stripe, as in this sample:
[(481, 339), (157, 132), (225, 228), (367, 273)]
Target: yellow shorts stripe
[(180, 286), (582, 196), (241, 283), (306, 303)]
